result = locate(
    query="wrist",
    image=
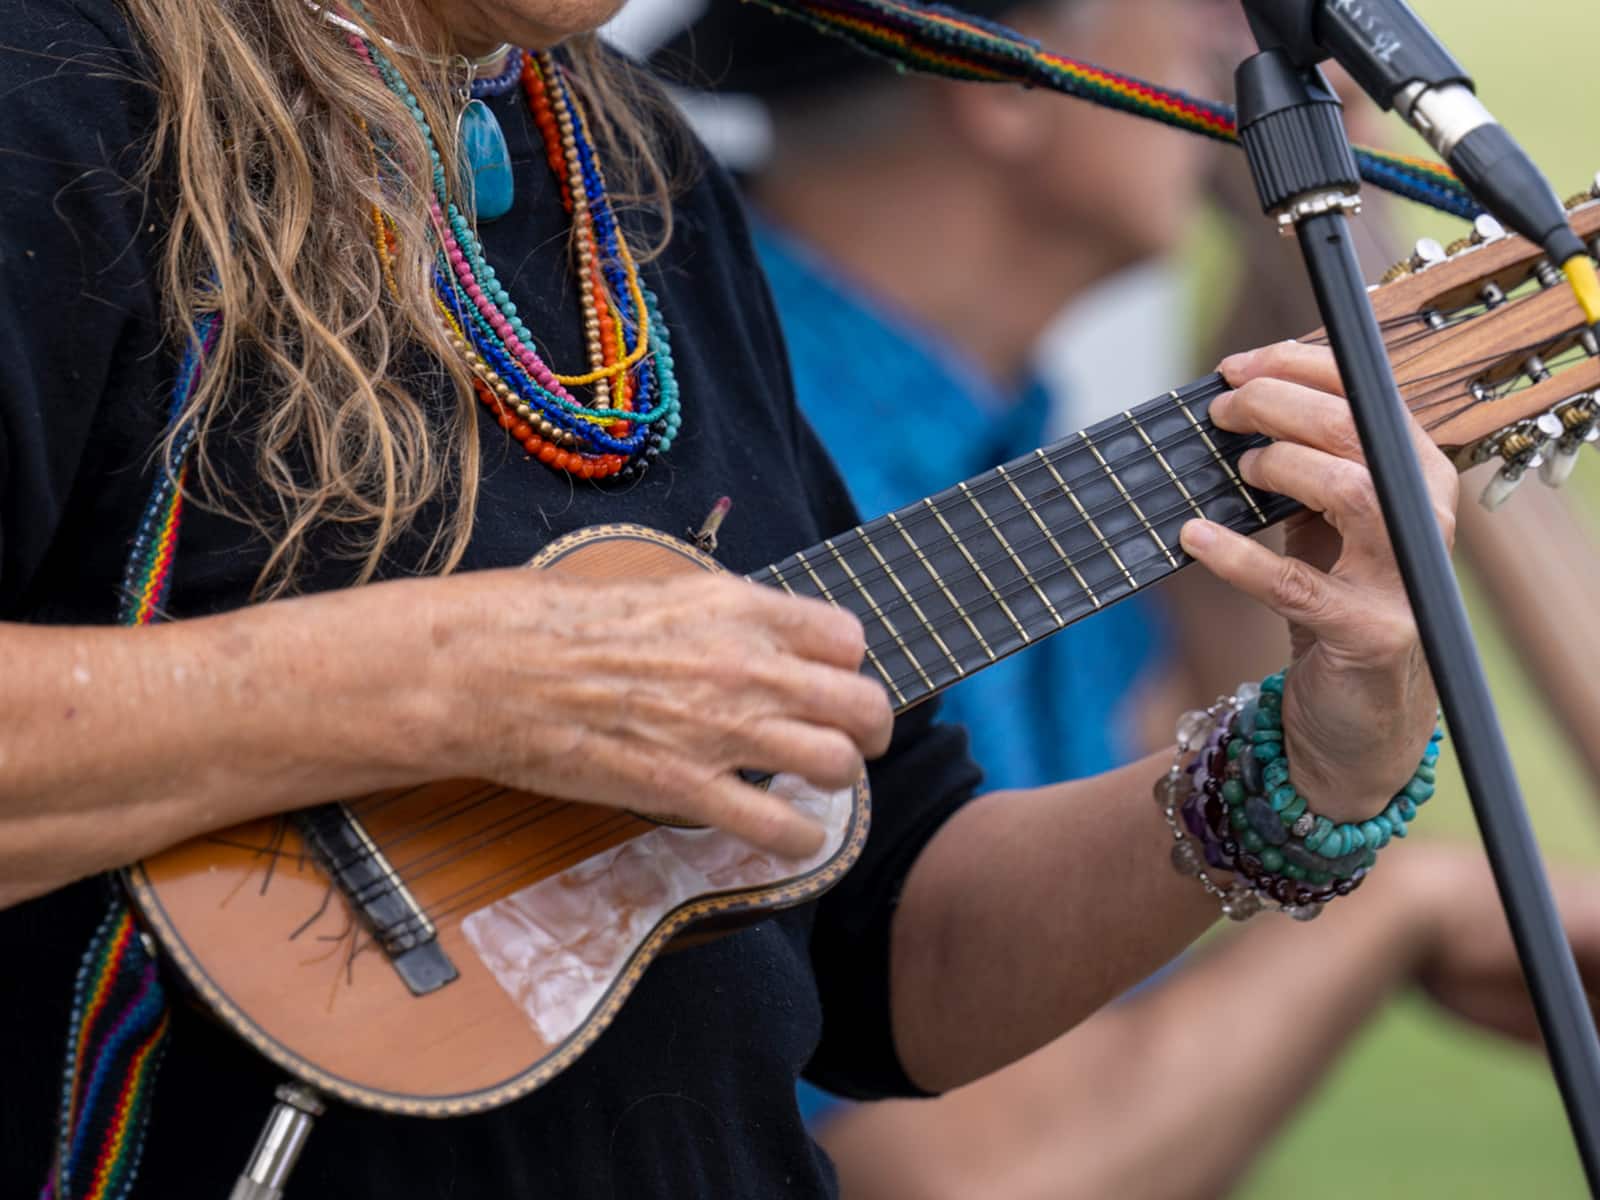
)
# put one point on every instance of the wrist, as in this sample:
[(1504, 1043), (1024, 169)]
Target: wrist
[(1350, 762), (1241, 806)]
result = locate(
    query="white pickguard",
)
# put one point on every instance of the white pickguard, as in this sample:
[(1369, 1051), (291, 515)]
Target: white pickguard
[(558, 945)]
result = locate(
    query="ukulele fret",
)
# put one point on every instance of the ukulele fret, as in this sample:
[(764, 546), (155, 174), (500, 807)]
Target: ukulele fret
[(938, 579), (1016, 558), (1165, 465), (883, 618), (1127, 497), (1088, 520), (1222, 461), (999, 597), (872, 655), (916, 609), (1049, 536)]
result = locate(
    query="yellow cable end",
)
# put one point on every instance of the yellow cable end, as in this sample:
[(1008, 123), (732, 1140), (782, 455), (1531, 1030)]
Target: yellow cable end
[(1585, 284)]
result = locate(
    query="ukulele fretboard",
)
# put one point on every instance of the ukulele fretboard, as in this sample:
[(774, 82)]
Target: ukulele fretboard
[(949, 585)]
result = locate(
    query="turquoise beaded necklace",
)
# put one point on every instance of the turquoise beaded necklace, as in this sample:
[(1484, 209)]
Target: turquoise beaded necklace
[(635, 412)]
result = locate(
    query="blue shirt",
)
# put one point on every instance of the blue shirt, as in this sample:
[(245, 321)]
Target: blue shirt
[(906, 416)]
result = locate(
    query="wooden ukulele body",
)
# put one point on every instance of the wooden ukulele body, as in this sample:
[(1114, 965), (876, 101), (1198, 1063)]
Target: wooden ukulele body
[(543, 914)]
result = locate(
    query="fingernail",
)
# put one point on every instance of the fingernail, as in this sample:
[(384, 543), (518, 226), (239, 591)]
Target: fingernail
[(1236, 364), (1245, 459), (1197, 535), (803, 840)]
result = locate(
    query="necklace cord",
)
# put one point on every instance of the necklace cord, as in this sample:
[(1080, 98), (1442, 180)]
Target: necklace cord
[(474, 66)]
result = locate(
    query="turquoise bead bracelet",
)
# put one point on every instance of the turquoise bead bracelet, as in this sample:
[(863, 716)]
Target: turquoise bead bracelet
[(1258, 734)]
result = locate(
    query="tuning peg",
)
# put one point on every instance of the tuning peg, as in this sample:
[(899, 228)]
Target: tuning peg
[(1507, 480), (1558, 468), (1522, 449), (1583, 198), (1486, 229), (1426, 253), (1580, 423), (1551, 455)]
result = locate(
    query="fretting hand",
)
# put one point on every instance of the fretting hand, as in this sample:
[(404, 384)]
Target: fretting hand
[(1360, 704)]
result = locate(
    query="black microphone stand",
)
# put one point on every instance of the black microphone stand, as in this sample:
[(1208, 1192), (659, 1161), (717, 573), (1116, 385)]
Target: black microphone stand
[(1306, 175)]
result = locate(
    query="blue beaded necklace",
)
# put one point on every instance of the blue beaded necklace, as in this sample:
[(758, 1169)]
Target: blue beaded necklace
[(634, 413)]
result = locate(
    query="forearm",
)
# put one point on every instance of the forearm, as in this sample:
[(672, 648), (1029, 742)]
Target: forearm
[(1026, 913), (115, 743), (1247, 1030), (1217, 1055)]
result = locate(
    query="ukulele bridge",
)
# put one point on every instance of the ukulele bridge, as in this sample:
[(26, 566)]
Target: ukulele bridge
[(380, 898)]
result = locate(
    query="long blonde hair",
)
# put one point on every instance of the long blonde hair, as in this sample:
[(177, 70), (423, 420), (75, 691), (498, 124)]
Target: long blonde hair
[(267, 119)]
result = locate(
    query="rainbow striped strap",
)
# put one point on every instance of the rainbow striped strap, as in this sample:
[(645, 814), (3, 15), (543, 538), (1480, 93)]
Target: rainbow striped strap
[(120, 1014), (936, 40), (118, 1032), (148, 576)]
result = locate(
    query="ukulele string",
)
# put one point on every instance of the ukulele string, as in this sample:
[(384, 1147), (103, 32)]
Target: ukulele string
[(1445, 393), (472, 894), (473, 798), (1145, 452), (483, 835), (875, 573), (1106, 548)]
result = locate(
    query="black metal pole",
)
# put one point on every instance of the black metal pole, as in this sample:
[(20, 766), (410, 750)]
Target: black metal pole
[(1283, 142), (1480, 744)]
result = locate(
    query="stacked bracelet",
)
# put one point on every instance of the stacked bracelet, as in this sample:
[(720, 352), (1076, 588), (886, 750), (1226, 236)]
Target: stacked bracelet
[(1231, 805)]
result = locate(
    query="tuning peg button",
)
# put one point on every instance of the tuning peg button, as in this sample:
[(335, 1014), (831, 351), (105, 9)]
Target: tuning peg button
[(1486, 229), (1583, 198), (1426, 253), (1506, 481), (1580, 422), (1560, 464)]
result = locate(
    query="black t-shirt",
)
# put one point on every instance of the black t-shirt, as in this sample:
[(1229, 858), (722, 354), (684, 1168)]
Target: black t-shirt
[(690, 1092)]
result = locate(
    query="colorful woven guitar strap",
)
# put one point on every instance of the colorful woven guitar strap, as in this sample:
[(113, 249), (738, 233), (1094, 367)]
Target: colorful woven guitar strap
[(120, 1015), (935, 40)]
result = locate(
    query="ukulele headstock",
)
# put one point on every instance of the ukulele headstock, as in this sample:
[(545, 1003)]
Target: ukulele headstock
[(1492, 353)]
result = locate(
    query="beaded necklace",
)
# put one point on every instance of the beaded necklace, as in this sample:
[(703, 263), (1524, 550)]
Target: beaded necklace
[(634, 413)]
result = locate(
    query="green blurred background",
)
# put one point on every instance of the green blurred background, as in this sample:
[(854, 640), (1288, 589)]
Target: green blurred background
[(1421, 1106)]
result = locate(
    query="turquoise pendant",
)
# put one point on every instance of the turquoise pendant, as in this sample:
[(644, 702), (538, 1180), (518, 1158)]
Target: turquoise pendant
[(488, 162)]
